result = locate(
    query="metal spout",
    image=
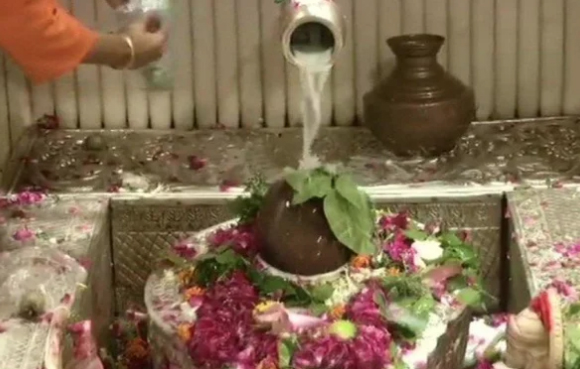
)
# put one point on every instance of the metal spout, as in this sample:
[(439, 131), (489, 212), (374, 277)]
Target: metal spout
[(312, 26)]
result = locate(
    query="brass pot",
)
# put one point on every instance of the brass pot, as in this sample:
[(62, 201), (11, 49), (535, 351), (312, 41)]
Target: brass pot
[(297, 239), (419, 108)]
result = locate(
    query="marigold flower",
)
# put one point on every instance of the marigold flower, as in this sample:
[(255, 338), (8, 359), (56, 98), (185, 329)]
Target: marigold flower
[(136, 349), (338, 312), (184, 332), (394, 272), (194, 291), (186, 276), (361, 261)]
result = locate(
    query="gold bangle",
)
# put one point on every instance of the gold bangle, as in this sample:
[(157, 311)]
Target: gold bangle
[(131, 46)]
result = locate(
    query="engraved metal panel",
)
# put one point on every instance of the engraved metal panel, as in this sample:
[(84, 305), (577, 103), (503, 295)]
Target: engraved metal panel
[(546, 234), (519, 294), (143, 230)]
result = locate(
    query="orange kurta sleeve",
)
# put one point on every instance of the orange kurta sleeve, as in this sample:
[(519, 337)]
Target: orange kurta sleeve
[(43, 38)]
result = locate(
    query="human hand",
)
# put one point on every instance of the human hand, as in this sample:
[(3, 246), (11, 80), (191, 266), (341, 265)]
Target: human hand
[(148, 38)]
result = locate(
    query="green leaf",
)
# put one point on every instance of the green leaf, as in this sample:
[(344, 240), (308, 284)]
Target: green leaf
[(286, 350), (451, 239), (318, 309), (349, 225), (396, 357), (322, 292), (271, 284), (464, 252), (317, 185), (296, 179), (174, 259), (416, 235), (227, 257), (457, 282), (405, 318), (348, 189), (469, 296), (246, 208), (574, 309), (381, 302), (423, 306)]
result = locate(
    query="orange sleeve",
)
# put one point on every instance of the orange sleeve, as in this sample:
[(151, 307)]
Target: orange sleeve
[(43, 38)]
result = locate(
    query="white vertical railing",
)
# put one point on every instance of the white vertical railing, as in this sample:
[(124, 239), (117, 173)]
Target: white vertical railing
[(522, 58)]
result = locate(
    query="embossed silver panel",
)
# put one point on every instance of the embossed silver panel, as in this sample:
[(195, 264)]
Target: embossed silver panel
[(142, 230), (545, 238)]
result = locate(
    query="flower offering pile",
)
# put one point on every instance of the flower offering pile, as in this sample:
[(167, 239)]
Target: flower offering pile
[(221, 304)]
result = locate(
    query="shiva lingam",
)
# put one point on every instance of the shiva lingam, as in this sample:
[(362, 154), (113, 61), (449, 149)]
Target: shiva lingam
[(535, 336), (296, 238)]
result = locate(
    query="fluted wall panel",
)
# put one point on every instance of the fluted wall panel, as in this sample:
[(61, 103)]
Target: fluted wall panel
[(522, 57)]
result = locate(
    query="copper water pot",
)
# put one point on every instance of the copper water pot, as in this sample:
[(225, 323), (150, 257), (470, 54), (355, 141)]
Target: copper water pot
[(419, 108)]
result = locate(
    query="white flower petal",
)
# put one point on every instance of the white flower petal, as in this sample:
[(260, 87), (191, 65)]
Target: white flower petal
[(428, 250)]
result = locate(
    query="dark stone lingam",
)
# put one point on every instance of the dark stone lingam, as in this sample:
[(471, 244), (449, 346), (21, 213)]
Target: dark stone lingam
[(297, 239)]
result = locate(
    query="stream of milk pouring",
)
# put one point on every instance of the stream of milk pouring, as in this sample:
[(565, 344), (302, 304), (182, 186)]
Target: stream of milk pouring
[(314, 64)]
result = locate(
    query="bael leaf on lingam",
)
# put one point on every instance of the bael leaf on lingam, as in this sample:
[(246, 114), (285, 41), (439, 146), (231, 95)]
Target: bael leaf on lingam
[(295, 178), (348, 189), (349, 225), (317, 185)]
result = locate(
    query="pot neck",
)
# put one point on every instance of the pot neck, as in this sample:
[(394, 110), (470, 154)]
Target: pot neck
[(419, 67)]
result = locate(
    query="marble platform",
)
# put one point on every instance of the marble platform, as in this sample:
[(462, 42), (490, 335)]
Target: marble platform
[(117, 199)]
